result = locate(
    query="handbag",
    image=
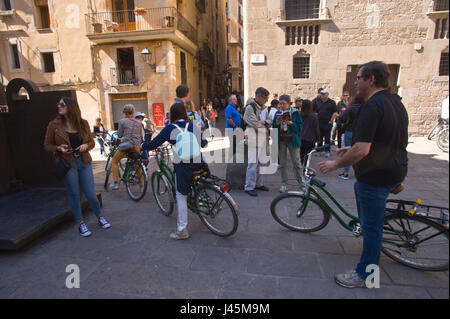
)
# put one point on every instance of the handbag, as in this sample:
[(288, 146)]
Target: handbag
[(61, 168)]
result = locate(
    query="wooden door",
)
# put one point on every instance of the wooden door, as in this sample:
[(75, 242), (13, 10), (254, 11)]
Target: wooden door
[(123, 14), (352, 71)]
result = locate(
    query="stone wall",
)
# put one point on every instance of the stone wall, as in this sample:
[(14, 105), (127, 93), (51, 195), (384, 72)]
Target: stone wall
[(359, 31)]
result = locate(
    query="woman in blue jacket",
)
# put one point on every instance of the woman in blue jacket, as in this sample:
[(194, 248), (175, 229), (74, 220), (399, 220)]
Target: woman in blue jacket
[(183, 171)]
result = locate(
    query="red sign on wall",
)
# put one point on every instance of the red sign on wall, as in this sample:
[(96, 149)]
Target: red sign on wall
[(158, 114)]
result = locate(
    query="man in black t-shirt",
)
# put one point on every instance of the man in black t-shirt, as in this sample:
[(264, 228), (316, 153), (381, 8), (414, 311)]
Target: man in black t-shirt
[(327, 114), (379, 158)]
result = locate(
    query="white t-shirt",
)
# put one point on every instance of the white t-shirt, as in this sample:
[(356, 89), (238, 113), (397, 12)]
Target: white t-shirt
[(444, 110)]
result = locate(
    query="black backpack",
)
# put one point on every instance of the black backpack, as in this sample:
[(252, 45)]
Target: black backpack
[(243, 123)]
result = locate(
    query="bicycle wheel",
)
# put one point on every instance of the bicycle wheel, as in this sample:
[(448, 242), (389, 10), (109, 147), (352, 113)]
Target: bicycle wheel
[(163, 193), (108, 172), (135, 180), (416, 242), (217, 210), (442, 140), (293, 211), (434, 131)]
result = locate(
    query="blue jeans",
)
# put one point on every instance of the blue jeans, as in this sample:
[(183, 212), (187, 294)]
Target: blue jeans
[(347, 142), (81, 175), (371, 204), (100, 142)]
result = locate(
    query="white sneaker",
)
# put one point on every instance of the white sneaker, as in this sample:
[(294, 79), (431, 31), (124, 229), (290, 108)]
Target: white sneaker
[(103, 223), (83, 230), (283, 189), (114, 186)]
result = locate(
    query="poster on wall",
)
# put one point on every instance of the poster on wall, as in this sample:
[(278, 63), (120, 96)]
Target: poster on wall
[(158, 114)]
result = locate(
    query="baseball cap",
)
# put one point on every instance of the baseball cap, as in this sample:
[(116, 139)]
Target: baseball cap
[(324, 91), (139, 114)]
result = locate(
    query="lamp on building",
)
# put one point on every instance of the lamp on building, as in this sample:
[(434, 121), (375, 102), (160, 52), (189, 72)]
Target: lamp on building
[(147, 57)]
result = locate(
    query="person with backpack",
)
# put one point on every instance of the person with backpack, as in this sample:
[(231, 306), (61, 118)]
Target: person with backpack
[(289, 123), (182, 133), (252, 120)]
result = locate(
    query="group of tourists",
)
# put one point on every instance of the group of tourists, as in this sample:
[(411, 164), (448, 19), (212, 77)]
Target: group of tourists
[(374, 126)]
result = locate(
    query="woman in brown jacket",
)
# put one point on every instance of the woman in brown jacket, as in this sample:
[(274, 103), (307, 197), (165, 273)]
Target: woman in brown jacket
[(69, 136)]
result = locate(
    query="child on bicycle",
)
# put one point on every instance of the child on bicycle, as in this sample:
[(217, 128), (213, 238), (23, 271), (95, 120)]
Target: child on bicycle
[(184, 170)]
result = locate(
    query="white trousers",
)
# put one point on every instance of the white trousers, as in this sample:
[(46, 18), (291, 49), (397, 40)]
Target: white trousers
[(182, 211)]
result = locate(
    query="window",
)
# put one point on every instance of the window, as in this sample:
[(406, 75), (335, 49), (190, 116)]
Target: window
[(183, 68), (301, 67), (15, 56), (48, 62), (441, 30), (5, 5), (43, 14), (302, 9), (302, 35), (444, 64), (441, 5)]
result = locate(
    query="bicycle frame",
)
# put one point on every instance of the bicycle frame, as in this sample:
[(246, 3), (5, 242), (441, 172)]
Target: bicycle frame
[(311, 184), (313, 191)]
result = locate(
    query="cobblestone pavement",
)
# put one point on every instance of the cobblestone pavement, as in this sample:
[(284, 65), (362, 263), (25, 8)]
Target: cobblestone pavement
[(136, 259)]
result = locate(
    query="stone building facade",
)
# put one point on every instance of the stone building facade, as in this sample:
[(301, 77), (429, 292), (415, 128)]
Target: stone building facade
[(235, 45), (114, 52), (296, 47)]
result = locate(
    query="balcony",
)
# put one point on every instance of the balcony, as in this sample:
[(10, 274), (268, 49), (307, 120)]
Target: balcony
[(123, 76), (205, 55), (139, 24)]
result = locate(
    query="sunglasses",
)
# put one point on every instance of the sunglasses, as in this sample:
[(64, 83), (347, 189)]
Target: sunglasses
[(61, 104)]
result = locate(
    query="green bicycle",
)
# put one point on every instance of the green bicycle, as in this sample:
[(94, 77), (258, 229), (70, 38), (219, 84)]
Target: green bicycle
[(208, 198), (132, 172), (417, 238)]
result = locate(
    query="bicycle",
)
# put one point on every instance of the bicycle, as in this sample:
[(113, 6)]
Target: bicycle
[(442, 139), (440, 133), (208, 197), (411, 237), (132, 171)]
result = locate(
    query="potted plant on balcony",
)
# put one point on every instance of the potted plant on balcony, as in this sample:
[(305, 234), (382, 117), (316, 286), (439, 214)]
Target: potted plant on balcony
[(139, 11)]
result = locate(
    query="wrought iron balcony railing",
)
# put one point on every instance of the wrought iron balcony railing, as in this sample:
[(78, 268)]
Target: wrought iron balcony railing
[(139, 20), (124, 76)]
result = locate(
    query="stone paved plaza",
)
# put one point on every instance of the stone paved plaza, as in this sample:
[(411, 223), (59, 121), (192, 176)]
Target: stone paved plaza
[(136, 259)]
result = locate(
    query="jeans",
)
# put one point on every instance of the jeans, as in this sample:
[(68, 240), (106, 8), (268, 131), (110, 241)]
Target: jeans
[(100, 142), (211, 125), (347, 142), (81, 175), (325, 132), (371, 204), (253, 177), (295, 158)]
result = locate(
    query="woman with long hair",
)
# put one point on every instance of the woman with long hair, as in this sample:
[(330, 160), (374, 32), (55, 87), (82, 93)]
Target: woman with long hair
[(70, 138)]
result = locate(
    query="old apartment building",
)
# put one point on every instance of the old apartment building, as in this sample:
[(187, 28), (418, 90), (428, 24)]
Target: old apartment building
[(114, 52), (298, 46), (235, 45)]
